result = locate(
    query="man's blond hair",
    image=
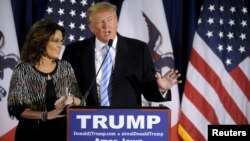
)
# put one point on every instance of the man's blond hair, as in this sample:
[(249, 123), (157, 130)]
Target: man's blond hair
[(100, 7)]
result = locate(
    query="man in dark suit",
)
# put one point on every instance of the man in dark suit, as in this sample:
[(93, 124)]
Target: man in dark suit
[(133, 70)]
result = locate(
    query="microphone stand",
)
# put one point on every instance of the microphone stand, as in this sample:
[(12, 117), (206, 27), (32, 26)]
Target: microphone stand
[(83, 102)]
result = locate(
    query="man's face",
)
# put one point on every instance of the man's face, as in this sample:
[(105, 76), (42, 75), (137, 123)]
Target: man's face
[(104, 25)]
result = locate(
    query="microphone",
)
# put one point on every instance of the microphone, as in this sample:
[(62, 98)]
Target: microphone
[(110, 42), (92, 82)]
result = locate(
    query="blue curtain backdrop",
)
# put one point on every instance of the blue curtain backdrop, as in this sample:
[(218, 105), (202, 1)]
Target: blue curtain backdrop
[(181, 16)]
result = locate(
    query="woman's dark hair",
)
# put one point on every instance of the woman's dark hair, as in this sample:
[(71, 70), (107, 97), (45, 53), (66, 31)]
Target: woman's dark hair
[(37, 39)]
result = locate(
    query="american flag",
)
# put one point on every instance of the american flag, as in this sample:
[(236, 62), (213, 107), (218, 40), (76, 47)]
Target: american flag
[(70, 14), (217, 88)]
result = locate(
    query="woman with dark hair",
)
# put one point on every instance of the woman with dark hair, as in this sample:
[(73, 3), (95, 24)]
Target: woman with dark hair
[(42, 86)]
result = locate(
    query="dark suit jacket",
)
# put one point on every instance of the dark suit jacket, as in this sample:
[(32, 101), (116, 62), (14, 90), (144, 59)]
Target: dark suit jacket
[(134, 72)]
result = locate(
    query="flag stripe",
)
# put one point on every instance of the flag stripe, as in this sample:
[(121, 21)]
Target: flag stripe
[(245, 67), (9, 136), (188, 135), (194, 126), (196, 79), (241, 80), (195, 97)]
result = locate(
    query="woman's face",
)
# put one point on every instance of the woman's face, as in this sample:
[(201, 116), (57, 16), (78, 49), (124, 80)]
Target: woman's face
[(54, 45)]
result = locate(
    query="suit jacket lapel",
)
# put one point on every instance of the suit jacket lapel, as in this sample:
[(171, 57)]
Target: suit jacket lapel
[(121, 60)]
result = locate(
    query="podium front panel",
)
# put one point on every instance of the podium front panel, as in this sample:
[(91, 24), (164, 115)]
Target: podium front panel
[(118, 124)]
